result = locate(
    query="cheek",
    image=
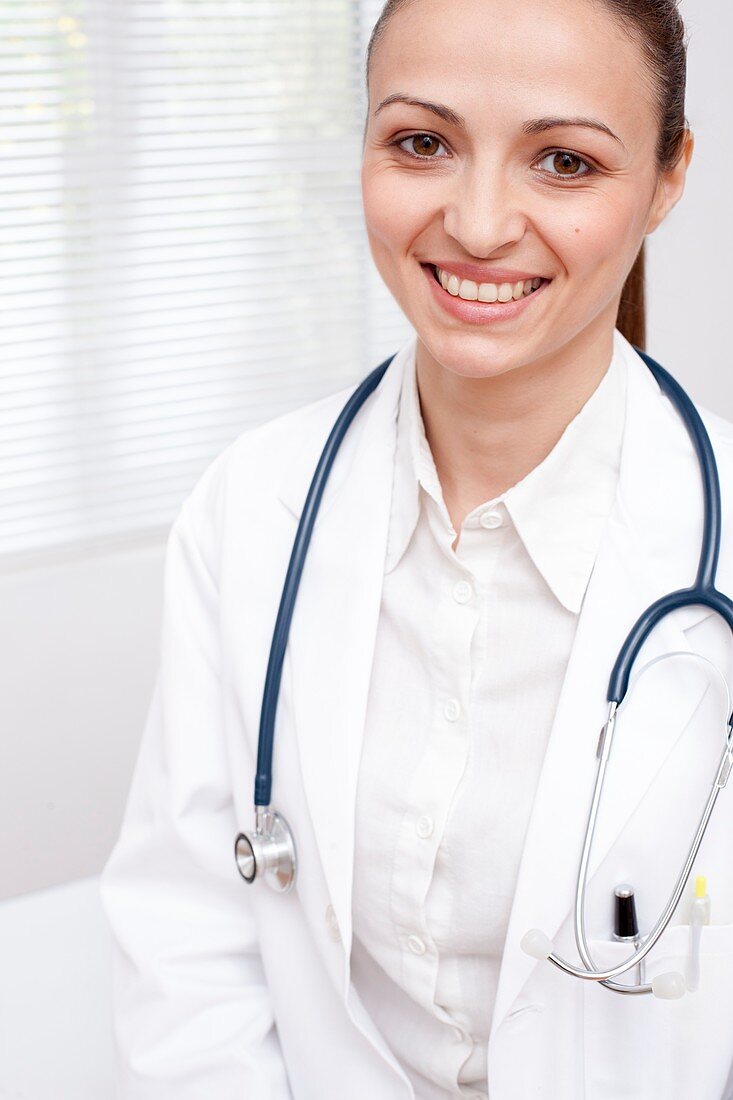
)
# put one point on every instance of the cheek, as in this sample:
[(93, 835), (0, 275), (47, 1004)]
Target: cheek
[(393, 213), (597, 238)]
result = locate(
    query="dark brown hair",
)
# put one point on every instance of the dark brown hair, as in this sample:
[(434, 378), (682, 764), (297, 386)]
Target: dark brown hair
[(657, 28)]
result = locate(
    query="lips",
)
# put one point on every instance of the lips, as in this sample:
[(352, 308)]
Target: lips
[(476, 311)]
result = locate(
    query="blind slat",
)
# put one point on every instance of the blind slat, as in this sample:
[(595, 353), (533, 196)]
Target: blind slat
[(182, 253)]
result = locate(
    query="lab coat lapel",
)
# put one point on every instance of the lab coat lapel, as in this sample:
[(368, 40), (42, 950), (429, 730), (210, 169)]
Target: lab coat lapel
[(333, 630), (650, 547)]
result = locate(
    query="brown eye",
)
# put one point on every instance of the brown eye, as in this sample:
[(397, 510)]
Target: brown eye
[(421, 146), (425, 144), (565, 164)]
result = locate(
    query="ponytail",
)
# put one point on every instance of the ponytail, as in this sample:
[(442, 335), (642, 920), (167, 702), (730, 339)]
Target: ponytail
[(631, 319)]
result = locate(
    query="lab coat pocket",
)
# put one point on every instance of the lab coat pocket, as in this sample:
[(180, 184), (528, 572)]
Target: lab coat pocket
[(639, 1047)]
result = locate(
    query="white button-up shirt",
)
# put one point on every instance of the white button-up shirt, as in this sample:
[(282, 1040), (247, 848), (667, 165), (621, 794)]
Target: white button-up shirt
[(471, 651)]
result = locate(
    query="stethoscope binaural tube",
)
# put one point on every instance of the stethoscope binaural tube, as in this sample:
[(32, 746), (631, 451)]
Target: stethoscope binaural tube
[(269, 851), (702, 592)]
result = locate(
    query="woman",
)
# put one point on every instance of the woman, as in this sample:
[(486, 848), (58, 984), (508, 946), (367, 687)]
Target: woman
[(513, 495)]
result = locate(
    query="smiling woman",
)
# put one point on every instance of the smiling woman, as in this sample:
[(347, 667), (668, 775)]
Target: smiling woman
[(515, 491), (658, 31), (540, 142)]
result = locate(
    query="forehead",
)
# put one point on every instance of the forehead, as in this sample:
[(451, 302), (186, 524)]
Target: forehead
[(522, 57)]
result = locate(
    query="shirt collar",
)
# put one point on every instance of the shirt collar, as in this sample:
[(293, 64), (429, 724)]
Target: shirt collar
[(559, 509)]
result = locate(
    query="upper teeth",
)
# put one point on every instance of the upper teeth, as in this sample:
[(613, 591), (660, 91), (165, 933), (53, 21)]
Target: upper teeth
[(485, 292)]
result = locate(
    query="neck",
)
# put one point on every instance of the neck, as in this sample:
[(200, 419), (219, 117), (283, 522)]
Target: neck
[(486, 434)]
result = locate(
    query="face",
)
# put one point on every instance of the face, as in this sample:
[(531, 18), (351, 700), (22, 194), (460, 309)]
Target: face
[(495, 184)]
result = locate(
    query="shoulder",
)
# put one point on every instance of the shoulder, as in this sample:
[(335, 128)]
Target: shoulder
[(292, 436), (258, 457), (252, 490), (255, 464), (243, 479)]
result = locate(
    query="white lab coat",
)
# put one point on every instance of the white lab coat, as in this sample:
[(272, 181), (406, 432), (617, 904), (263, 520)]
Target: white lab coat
[(230, 991)]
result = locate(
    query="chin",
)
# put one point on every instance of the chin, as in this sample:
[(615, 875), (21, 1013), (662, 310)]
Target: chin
[(469, 355)]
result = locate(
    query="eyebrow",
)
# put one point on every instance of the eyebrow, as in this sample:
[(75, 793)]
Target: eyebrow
[(532, 126)]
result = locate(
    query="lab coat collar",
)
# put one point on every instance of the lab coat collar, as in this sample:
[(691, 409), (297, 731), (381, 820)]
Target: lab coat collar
[(379, 412), (559, 509)]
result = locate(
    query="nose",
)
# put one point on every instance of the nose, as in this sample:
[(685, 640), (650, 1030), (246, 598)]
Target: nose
[(484, 210)]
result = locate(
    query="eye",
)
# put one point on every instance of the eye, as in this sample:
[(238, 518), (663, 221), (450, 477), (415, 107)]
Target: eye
[(565, 164), (424, 146)]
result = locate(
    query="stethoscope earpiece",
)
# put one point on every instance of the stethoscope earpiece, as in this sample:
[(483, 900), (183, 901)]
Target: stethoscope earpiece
[(669, 987)]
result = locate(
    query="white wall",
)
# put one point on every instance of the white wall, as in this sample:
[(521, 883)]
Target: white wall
[(78, 641), (56, 1038), (688, 279)]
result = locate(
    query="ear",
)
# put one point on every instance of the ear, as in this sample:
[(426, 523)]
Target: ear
[(671, 185)]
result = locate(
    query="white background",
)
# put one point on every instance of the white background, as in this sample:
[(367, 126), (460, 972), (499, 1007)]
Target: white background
[(78, 638)]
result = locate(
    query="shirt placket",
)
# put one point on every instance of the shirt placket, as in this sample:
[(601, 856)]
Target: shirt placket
[(433, 785)]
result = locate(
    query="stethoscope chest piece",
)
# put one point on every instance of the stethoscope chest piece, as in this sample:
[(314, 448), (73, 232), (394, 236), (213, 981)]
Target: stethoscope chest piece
[(267, 853)]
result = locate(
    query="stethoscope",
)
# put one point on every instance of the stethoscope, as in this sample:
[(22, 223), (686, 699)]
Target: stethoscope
[(269, 852)]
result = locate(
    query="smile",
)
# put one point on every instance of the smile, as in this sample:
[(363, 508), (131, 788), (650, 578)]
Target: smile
[(485, 292), (495, 304)]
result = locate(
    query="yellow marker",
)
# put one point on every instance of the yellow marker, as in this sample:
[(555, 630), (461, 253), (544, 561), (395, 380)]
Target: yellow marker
[(699, 915)]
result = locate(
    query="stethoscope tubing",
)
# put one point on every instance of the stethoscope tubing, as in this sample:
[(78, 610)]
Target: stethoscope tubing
[(702, 592), (603, 753), (604, 976), (273, 675)]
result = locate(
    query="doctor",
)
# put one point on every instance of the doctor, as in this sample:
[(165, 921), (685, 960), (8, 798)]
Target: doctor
[(513, 495)]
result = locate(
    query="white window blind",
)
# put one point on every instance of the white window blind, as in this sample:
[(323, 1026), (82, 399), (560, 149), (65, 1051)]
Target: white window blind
[(182, 253)]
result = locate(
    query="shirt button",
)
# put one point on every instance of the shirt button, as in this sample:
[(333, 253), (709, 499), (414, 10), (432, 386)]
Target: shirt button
[(332, 924), (490, 519), (416, 945), (462, 592), (424, 827), (452, 709)]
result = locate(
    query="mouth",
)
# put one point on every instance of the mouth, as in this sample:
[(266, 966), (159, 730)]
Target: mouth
[(495, 304), (488, 293)]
